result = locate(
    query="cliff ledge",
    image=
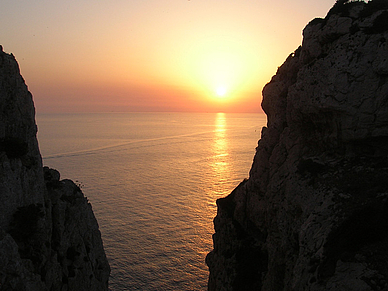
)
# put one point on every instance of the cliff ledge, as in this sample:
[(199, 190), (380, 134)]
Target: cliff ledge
[(313, 214), (49, 237)]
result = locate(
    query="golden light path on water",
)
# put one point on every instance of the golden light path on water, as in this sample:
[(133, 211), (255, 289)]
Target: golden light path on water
[(219, 171), (153, 180), (220, 162)]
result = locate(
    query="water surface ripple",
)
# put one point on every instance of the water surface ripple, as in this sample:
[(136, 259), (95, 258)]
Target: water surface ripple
[(153, 179)]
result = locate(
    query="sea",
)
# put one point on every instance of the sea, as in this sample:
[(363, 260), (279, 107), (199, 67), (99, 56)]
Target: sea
[(153, 180)]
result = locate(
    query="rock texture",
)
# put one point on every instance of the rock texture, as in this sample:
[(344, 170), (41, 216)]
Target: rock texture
[(313, 214), (49, 237)]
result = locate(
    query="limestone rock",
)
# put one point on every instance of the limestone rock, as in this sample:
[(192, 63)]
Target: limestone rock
[(313, 213), (49, 237)]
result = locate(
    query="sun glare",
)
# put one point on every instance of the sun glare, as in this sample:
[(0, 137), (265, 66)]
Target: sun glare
[(221, 91), (222, 69)]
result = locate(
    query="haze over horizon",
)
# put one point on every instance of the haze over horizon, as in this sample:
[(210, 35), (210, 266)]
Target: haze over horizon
[(196, 55)]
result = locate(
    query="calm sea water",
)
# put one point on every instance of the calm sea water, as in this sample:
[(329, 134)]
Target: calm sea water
[(153, 179)]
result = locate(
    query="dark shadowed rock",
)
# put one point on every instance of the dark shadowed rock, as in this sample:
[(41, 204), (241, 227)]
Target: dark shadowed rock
[(313, 213), (49, 237)]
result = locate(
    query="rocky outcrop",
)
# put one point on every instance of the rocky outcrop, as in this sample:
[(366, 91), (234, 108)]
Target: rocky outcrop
[(49, 237), (313, 214)]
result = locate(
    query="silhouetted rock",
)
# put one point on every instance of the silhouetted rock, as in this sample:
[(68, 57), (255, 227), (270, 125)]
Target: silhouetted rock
[(313, 214), (49, 237)]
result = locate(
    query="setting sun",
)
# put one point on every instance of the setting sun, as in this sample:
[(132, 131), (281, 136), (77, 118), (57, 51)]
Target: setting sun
[(152, 55), (221, 91)]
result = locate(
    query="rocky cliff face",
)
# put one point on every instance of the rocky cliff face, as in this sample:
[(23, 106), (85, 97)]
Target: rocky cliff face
[(313, 214), (49, 237)]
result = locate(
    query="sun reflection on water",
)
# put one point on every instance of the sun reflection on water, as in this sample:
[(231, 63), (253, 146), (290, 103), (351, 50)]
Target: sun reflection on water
[(220, 163), (156, 199)]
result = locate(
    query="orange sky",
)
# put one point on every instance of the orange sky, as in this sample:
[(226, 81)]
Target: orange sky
[(152, 55)]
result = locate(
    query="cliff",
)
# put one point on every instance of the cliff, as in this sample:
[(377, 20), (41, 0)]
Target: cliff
[(313, 214), (49, 237)]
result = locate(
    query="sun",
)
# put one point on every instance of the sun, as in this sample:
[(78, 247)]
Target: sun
[(221, 91)]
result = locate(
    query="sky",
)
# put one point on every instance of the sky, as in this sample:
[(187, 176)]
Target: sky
[(152, 55)]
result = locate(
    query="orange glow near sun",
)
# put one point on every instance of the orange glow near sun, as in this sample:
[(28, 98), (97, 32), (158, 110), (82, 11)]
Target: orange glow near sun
[(222, 70), (202, 56)]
